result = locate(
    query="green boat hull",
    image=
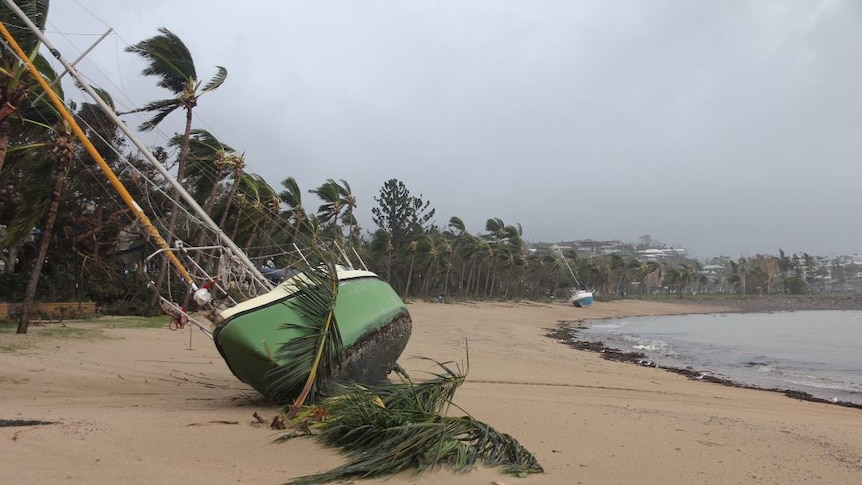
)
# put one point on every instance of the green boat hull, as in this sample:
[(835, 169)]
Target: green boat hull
[(374, 323)]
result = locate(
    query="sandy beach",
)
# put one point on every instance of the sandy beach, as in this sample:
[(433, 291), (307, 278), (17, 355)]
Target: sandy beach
[(148, 405)]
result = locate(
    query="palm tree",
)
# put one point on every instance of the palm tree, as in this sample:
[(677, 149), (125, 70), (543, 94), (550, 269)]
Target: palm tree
[(169, 60), (292, 198), (381, 245), (348, 218), (447, 249), (413, 246), (237, 169), (651, 267), (682, 276), (63, 148), (458, 231), (16, 84), (209, 162), (332, 196), (258, 209)]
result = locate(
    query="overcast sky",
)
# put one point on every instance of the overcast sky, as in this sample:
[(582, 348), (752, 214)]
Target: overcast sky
[(723, 127)]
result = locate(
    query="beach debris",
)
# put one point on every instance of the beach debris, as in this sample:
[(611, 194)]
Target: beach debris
[(7, 423), (258, 418), (387, 428), (278, 422), (216, 421)]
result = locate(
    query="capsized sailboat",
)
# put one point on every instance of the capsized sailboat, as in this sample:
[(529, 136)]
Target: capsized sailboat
[(254, 333), (578, 296), (581, 297), (373, 321)]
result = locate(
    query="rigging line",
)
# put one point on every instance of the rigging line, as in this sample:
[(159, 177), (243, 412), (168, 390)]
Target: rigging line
[(125, 161), (81, 57), (152, 183), (138, 115), (142, 218), (117, 37), (126, 101)]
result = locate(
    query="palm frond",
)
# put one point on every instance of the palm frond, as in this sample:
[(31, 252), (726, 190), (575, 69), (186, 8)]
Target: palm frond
[(160, 115), (37, 12), (313, 357), (217, 80), (168, 59), (389, 428)]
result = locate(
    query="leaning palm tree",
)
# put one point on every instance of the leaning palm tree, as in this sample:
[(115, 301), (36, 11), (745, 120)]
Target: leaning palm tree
[(259, 209), (331, 193), (414, 245), (381, 248), (63, 149), (292, 198), (169, 60), (208, 162), (348, 218)]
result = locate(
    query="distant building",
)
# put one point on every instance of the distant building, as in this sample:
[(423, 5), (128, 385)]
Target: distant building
[(658, 254), (590, 246)]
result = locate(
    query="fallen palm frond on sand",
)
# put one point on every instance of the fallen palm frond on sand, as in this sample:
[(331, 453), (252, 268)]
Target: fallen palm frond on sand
[(386, 429)]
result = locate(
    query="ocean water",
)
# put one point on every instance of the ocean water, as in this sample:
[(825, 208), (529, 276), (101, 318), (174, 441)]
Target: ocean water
[(819, 352)]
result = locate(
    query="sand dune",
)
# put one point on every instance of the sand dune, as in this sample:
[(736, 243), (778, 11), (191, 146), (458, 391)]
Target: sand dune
[(137, 405)]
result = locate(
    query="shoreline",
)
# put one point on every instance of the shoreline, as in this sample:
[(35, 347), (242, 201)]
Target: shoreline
[(567, 332), (769, 303), (724, 304)]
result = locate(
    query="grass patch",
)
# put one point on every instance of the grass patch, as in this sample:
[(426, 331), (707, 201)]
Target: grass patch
[(65, 332), (15, 346), (73, 329), (160, 321)]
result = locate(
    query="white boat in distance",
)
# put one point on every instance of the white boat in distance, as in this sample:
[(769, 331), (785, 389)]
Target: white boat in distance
[(579, 296)]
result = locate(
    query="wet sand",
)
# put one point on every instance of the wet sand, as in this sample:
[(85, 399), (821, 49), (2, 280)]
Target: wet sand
[(139, 405)]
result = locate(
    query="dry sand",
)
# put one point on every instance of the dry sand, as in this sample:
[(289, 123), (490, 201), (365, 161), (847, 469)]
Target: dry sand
[(137, 405)]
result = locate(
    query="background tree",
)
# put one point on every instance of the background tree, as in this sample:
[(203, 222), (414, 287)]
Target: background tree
[(401, 215), (329, 213), (62, 151), (404, 218), (291, 196)]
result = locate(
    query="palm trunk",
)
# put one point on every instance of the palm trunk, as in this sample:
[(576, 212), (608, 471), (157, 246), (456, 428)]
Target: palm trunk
[(47, 234), (231, 194), (4, 141), (409, 276), (488, 279), (175, 213)]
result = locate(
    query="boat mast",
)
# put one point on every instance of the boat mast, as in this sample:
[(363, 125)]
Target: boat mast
[(231, 245), (566, 260)]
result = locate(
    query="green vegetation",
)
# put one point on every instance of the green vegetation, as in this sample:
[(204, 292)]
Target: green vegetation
[(14, 346), (69, 331)]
